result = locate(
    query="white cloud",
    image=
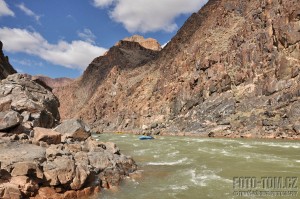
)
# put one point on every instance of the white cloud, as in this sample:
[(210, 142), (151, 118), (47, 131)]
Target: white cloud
[(77, 54), (4, 9), (26, 62), (148, 15), (87, 35), (102, 3), (29, 12)]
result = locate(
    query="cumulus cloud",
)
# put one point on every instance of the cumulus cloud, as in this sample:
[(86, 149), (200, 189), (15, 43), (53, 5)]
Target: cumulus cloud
[(87, 35), (29, 12), (148, 15), (4, 9), (77, 54)]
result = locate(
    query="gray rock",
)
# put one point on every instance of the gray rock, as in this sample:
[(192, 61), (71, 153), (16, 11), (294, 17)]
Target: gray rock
[(11, 153), (9, 119), (34, 102), (75, 129), (61, 171)]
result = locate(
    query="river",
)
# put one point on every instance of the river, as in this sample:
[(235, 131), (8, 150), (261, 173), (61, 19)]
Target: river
[(204, 168)]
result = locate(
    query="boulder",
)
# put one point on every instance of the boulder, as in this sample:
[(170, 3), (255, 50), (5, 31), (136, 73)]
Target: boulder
[(61, 171), (27, 169), (9, 119), (75, 129), (112, 148), (37, 105), (14, 152), (46, 135), (81, 175), (10, 191)]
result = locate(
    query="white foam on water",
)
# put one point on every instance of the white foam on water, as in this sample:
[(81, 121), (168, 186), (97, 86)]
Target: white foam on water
[(173, 153), (205, 176), (247, 146), (178, 162), (298, 161), (178, 187), (141, 151), (285, 145)]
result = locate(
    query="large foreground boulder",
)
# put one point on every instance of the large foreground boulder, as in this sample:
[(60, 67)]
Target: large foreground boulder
[(25, 104)]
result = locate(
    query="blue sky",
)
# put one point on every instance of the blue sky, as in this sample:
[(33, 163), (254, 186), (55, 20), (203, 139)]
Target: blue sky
[(59, 38)]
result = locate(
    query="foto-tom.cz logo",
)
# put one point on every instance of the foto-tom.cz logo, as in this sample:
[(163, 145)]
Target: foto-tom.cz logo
[(265, 186), (265, 183)]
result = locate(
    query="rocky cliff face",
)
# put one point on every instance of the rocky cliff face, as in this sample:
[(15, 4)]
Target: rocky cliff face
[(231, 70), (5, 67), (123, 58)]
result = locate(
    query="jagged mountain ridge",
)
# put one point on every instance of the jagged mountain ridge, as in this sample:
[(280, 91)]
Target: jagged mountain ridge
[(231, 70), (5, 67)]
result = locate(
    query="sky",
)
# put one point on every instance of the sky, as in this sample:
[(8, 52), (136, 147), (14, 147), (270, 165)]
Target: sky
[(59, 38)]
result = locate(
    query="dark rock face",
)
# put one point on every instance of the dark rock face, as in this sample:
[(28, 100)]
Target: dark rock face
[(231, 70), (5, 67), (25, 104)]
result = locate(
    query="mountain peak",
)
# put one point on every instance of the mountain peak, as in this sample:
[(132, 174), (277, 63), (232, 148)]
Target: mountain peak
[(148, 43)]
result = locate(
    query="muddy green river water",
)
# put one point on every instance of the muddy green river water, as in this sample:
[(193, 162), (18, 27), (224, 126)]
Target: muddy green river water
[(204, 168)]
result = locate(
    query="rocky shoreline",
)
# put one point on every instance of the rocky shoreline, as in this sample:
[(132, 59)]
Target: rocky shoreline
[(41, 157)]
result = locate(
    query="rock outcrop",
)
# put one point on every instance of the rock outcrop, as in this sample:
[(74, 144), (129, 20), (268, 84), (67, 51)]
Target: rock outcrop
[(25, 104), (148, 43), (40, 161), (231, 70), (5, 67)]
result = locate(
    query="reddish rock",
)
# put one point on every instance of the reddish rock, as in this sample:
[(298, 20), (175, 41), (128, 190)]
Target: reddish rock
[(46, 135), (228, 65)]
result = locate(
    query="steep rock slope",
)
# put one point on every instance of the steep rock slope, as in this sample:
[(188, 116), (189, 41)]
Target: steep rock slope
[(231, 70), (5, 67), (87, 91)]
